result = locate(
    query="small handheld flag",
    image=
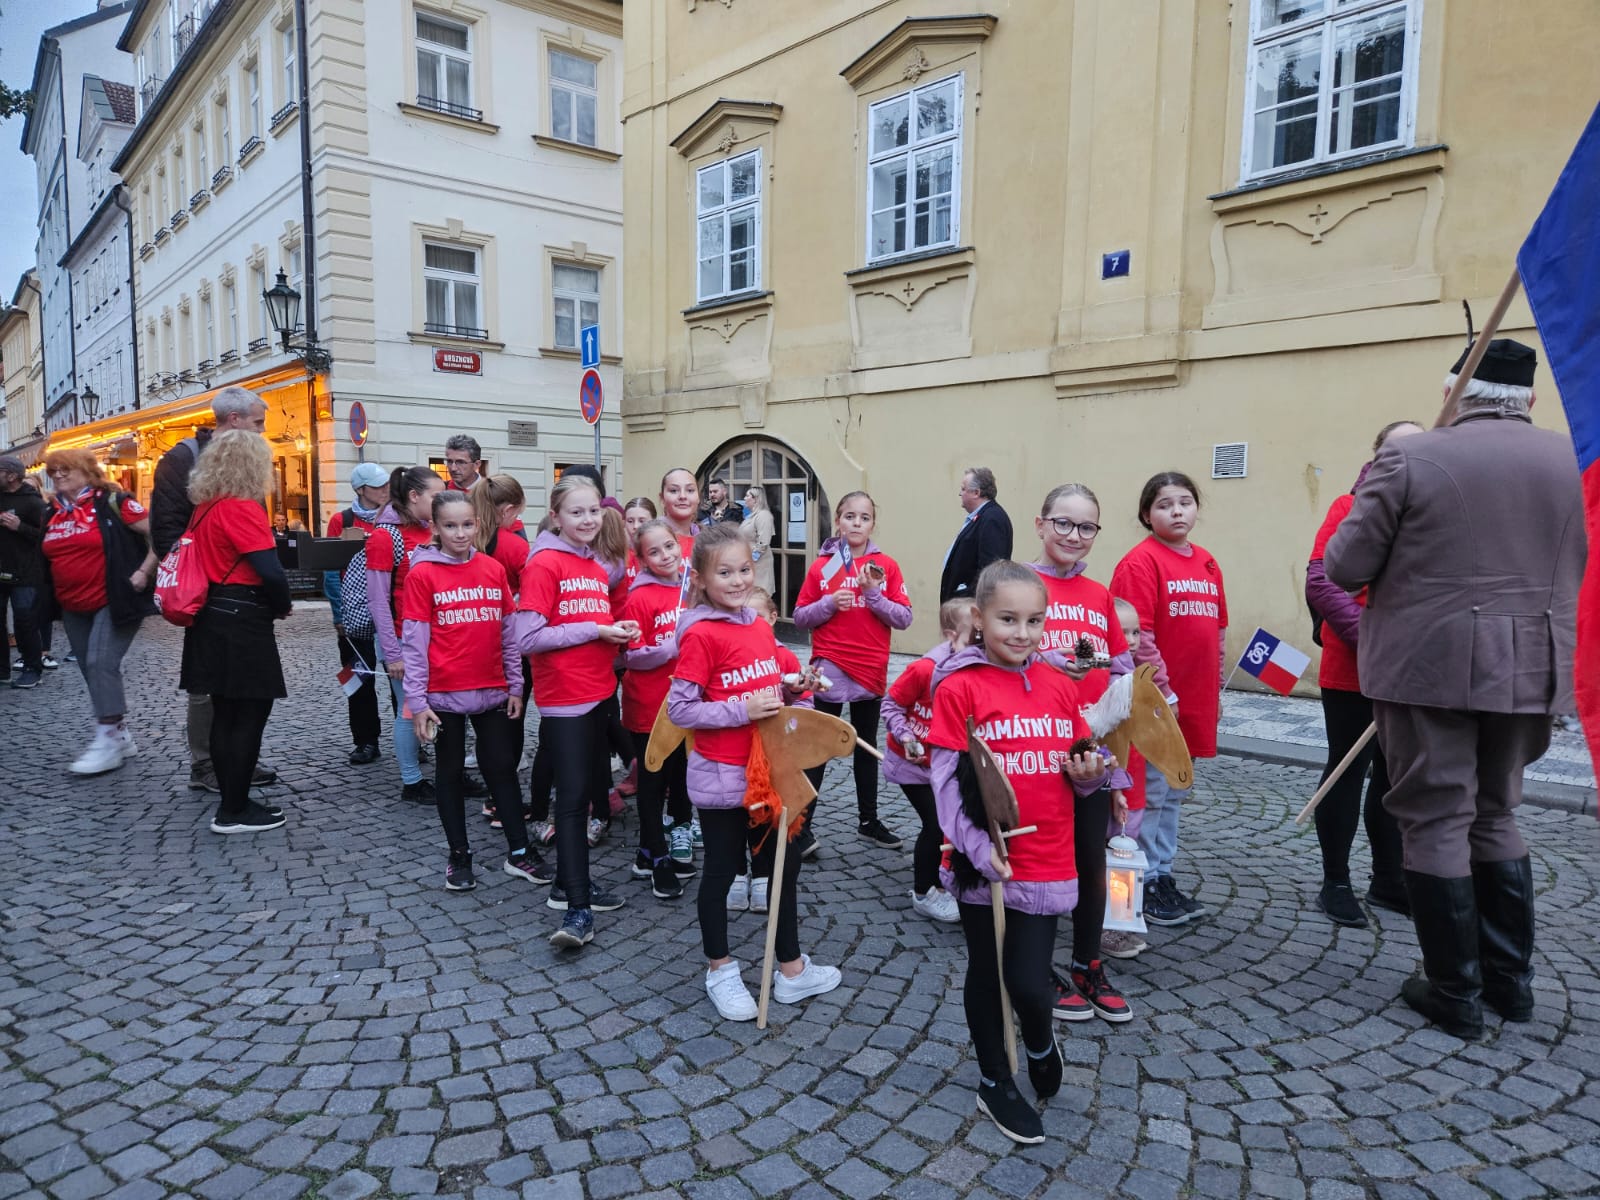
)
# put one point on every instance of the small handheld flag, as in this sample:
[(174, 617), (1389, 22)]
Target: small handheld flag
[(1276, 664), (841, 560), (349, 681)]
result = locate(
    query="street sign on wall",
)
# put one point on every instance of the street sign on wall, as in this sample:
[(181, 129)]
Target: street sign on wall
[(457, 362)]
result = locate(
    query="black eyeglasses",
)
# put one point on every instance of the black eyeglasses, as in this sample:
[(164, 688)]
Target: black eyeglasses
[(1065, 525)]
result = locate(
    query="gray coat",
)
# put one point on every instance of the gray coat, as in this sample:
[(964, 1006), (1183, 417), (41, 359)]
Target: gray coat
[(1470, 539)]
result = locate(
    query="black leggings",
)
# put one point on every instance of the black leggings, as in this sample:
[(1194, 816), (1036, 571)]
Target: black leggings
[(497, 758), (667, 787), (519, 727), (864, 716), (925, 856), (236, 728), (582, 770), (1346, 716), (542, 782), (725, 831), (1030, 940), (1090, 816), (618, 739)]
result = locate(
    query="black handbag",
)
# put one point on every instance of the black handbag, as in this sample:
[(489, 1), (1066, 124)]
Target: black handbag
[(125, 551)]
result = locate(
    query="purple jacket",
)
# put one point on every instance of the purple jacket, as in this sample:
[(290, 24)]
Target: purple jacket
[(380, 598), (895, 768), (414, 646), (711, 784), (648, 658), (533, 632), (1330, 601), (809, 616)]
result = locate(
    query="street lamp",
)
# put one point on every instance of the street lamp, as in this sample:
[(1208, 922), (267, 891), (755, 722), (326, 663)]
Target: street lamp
[(91, 402), (283, 310)]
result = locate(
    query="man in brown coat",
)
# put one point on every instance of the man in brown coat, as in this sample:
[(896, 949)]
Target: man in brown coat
[(1470, 541)]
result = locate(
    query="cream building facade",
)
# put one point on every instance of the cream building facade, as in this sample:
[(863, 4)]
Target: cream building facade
[(872, 244), (465, 209), (22, 369)]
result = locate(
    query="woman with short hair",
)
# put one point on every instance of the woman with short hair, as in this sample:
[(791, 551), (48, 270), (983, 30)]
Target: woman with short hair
[(97, 545), (231, 651)]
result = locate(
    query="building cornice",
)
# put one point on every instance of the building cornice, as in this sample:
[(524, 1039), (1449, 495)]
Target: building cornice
[(602, 16), (919, 31), (764, 112), (91, 226)]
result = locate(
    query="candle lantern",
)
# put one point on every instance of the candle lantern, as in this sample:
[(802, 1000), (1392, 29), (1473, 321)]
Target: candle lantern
[(1125, 870)]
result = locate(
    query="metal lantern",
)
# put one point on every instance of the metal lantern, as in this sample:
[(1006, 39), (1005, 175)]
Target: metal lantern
[(283, 307), (1125, 869)]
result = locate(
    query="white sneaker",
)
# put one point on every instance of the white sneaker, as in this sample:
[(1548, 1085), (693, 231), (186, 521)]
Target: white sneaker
[(597, 830), (813, 980), (728, 992), (104, 754), (937, 905), (739, 894), (758, 894), (124, 738)]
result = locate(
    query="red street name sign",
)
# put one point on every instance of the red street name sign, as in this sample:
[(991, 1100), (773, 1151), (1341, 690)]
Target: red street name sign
[(458, 362)]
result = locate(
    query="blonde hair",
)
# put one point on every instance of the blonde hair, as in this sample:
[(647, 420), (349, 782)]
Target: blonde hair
[(951, 612), (78, 460), (236, 463), (488, 494), (610, 545), (760, 493), (708, 547), (761, 600)]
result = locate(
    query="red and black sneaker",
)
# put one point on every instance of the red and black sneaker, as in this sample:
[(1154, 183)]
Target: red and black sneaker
[(1098, 993), (1069, 1005)]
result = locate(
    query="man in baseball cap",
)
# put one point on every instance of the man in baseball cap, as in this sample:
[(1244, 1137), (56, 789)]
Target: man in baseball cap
[(370, 482)]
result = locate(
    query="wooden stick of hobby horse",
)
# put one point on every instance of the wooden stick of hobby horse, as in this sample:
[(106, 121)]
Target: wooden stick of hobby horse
[(1007, 833), (870, 749), (1480, 346), (1327, 784), (997, 901), (773, 901)]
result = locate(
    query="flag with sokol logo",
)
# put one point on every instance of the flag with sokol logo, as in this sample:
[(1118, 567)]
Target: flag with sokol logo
[(1275, 663)]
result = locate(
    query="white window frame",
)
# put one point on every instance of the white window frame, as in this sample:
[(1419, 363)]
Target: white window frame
[(202, 160), (727, 211), (252, 75), (261, 319), (910, 151), (208, 324), (570, 92), (291, 80), (578, 300), (1331, 14), (233, 316), (452, 326), (443, 55)]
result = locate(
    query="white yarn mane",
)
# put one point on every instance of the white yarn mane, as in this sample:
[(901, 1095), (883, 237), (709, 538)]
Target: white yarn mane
[(1112, 709)]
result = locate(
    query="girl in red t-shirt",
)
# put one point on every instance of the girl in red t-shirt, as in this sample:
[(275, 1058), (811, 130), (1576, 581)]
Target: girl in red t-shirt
[(1346, 713), (907, 713), (728, 676), (635, 513), (498, 503), (460, 658), (1081, 626), (565, 627), (852, 596), (402, 527), (1176, 586), (654, 603), (1027, 713), (680, 504)]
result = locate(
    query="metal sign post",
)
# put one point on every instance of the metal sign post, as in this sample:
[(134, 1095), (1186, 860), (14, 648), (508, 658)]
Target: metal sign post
[(590, 395)]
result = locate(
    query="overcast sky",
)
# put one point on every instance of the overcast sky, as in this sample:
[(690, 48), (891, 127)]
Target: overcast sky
[(21, 23)]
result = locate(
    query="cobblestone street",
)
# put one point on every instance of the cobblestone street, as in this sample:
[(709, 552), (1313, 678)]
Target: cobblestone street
[(308, 1013)]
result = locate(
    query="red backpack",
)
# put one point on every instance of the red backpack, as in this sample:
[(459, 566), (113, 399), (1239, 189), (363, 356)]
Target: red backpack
[(181, 583)]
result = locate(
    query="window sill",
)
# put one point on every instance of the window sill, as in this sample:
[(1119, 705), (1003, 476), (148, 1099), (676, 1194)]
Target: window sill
[(554, 143), (444, 118), (1330, 176), (609, 360), (284, 118), (738, 302), (907, 264), (446, 339), (253, 150)]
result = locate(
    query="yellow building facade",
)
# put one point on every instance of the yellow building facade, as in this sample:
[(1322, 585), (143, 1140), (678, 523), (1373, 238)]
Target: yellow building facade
[(871, 244)]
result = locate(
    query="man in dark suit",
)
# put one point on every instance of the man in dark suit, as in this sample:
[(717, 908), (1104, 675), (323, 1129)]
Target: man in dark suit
[(1470, 541), (985, 538)]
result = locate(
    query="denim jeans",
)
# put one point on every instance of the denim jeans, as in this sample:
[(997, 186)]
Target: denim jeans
[(24, 602), (405, 736), (1158, 835)]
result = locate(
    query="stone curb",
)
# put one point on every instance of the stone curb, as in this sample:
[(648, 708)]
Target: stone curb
[(1560, 796)]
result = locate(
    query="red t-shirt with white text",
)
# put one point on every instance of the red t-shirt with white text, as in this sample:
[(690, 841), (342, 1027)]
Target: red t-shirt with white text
[(656, 608), (224, 531), (1029, 724), (853, 638), (380, 555), (569, 590), (78, 556), (511, 551), (1079, 607), (1338, 669), (729, 661), (1181, 600), (464, 606), (911, 693)]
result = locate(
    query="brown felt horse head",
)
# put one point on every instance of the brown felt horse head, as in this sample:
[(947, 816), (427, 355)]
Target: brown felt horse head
[(1152, 729)]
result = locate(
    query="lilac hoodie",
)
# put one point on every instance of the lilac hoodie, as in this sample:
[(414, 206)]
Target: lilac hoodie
[(1331, 602), (711, 784), (380, 598), (648, 658), (809, 616), (1040, 898), (415, 639), (535, 635), (896, 769)]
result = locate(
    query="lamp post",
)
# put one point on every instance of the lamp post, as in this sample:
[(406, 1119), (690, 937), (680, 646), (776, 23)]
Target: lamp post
[(283, 310), (91, 401)]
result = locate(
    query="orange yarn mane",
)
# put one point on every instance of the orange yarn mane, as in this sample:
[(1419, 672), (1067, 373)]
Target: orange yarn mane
[(761, 799)]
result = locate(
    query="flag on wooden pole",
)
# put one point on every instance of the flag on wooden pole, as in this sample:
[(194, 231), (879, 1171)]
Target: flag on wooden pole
[(1273, 662)]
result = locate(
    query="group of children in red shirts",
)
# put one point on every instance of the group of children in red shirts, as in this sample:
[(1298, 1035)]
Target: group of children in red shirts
[(1022, 659)]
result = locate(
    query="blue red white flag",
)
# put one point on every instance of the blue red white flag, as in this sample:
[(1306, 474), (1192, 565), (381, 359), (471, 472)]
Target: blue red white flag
[(1275, 663), (1560, 268), (349, 681), (841, 560)]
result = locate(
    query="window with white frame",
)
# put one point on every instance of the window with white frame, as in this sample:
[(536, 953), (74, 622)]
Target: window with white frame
[(260, 318), (728, 226), (1328, 79), (291, 80), (231, 299), (575, 301), (914, 170), (444, 66), (574, 98), (224, 128), (252, 83), (297, 276), (208, 330), (202, 158), (450, 280)]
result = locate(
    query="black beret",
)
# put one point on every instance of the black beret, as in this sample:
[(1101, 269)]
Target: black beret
[(1505, 361)]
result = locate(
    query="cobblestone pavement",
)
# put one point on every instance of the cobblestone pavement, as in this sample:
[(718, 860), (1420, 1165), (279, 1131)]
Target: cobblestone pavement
[(308, 1013)]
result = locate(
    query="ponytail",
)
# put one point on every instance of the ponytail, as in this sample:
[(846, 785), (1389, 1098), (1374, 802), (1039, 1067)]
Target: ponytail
[(404, 483)]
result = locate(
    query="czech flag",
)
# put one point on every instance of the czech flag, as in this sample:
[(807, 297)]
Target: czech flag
[(1560, 269), (1276, 664), (349, 681)]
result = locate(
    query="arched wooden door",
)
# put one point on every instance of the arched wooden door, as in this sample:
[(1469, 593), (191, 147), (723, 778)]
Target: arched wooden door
[(799, 506)]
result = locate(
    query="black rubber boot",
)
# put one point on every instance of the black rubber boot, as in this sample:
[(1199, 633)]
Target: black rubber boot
[(1504, 892), (1445, 912)]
